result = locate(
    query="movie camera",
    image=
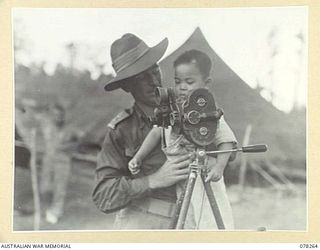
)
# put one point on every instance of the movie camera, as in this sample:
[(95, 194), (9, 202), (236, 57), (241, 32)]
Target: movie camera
[(195, 116)]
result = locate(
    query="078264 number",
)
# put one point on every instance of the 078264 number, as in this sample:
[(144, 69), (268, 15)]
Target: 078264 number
[(308, 245)]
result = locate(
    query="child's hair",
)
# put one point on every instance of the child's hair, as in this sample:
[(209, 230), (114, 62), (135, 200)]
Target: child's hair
[(201, 59)]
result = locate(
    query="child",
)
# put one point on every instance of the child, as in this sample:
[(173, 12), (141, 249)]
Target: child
[(192, 71)]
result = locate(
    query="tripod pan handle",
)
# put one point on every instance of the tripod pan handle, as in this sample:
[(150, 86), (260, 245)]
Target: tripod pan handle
[(258, 148)]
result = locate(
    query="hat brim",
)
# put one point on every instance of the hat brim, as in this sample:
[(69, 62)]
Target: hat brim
[(151, 57)]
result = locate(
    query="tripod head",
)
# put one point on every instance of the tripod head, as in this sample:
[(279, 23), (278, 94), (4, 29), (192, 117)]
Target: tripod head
[(199, 164)]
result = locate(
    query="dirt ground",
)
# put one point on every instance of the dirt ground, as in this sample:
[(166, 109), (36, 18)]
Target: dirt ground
[(253, 208)]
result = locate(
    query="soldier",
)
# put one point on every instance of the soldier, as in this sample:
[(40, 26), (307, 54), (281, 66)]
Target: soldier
[(59, 142)]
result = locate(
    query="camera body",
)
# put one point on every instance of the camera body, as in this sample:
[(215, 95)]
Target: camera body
[(196, 117)]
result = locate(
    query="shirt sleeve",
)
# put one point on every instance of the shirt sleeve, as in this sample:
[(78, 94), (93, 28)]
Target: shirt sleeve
[(114, 187), (224, 133)]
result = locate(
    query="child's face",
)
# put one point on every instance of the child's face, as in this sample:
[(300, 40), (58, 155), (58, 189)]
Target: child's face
[(187, 78)]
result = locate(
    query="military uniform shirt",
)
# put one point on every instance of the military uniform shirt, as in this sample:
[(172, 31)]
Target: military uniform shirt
[(116, 187)]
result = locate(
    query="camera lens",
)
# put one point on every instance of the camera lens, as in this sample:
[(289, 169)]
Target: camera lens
[(162, 96)]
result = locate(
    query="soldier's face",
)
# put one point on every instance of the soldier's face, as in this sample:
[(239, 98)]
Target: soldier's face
[(144, 84)]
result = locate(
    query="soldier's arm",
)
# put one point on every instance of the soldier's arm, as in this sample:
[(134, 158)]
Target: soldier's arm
[(115, 188)]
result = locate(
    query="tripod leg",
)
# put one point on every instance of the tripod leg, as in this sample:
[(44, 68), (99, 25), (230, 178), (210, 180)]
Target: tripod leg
[(186, 200), (213, 203), (175, 218)]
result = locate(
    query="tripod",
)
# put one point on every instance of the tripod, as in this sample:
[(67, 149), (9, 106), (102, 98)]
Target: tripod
[(199, 167)]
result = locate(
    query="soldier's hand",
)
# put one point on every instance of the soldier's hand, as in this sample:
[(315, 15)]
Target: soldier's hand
[(171, 172)]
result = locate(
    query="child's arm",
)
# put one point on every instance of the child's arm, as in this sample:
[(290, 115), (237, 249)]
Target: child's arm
[(224, 133), (149, 143), (217, 170), (225, 140)]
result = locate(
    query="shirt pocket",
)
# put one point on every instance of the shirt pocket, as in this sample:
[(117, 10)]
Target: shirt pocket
[(131, 151)]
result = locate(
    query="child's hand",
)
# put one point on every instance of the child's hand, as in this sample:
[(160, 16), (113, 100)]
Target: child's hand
[(134, 166), (215, 173)]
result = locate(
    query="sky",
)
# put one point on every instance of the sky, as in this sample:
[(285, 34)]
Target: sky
[(240, 36)]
